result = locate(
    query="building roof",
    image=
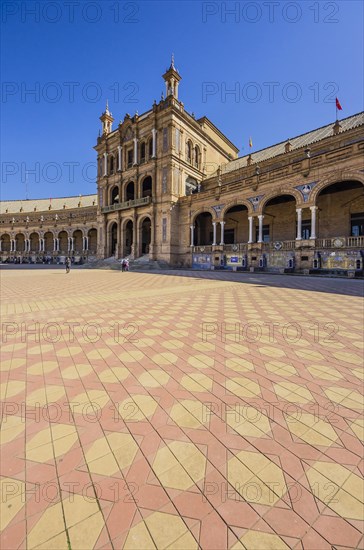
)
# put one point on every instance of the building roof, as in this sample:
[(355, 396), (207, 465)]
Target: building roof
[(42, 205), (296, 143)]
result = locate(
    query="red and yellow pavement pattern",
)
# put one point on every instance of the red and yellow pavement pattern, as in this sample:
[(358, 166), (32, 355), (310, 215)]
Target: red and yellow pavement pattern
[(161, 411)]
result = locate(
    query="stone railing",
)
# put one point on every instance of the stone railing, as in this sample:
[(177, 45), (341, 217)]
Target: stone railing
[(340, 242), (125, 205), (279, 245)]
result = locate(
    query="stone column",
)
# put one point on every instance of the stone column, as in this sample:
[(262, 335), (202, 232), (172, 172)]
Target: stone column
[(54, 244), (119, 157), (14, 245), (313, 221), (222, 225), (105, 164), (299, 224), (260, 234), (214, 233), (192, 229), (154, 143), (250, 218)]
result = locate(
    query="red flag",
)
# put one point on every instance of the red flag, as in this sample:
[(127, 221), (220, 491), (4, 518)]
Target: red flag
[(338, 106)]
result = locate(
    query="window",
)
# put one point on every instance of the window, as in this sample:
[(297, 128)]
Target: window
[(196, 156), (357, 224), (130, 158), (142, 152), (265, 234), (111, 165), (164, 229), (150, 148), (189, 151), (306, 229)]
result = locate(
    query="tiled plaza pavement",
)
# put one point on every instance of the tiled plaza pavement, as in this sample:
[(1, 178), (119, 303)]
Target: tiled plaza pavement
[(152, 424)]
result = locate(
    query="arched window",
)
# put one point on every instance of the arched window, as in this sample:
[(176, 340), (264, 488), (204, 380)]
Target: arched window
[(196, 159), (142, 152), (189, 151), (115, 195), (111, 164)]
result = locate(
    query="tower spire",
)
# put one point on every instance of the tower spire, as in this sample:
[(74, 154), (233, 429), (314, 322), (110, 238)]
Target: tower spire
[(172, 79), (107, 120)]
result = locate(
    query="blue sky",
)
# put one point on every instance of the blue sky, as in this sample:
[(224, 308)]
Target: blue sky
[(283, 62)]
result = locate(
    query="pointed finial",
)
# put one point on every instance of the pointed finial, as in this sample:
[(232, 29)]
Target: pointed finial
[(107, 107), (172, 61)]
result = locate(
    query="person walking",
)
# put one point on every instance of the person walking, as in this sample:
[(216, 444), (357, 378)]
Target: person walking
[(68, 264)]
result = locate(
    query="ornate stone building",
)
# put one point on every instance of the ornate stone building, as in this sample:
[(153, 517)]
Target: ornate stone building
[(48, 230), (170, 187)]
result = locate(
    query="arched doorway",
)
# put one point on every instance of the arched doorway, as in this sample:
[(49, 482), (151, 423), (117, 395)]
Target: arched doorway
[(77, 241), (279, 222), (130, 191), (63, 242), (340, 210), (146, 233), (128, 238), (203, 233), (34, 242), (92, 241), (147, 187), (113, 239), (236, 228)]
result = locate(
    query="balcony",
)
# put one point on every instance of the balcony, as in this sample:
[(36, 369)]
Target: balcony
[(125, 205), (341, 242), (333, 243)]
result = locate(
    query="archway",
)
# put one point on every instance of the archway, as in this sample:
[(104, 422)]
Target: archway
[(147, 187), (92, 241), (340, 210), (20, 242), (34, 242), (48, 242), (279, 222), (236, 228), (128, 238), (63, 242), (130, 191), (115, 195), (113, 239), (77, 241), (146, 233), (203, 233), (5, 243)]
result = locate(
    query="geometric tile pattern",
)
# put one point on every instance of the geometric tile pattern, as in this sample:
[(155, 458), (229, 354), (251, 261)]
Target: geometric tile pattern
[(180, 410)]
